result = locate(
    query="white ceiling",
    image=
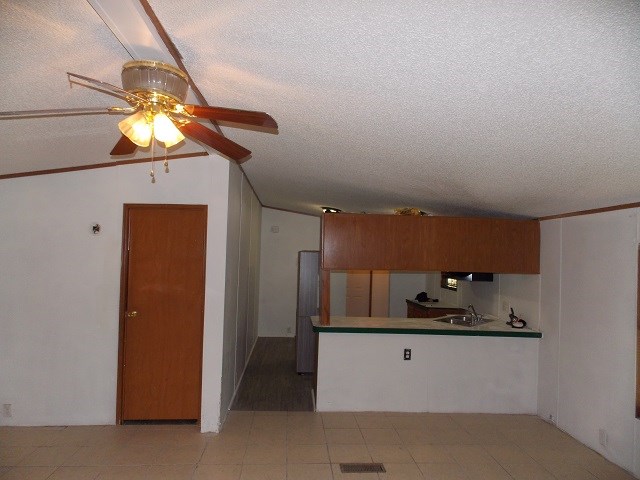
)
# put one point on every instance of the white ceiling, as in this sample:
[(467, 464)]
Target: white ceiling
[(456, 107)]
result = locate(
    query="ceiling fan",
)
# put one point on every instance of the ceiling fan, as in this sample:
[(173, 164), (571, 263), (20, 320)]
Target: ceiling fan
[(156, 92)]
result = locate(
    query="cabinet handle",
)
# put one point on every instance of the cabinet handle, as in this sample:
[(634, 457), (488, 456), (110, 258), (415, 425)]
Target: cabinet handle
[(132, 314)]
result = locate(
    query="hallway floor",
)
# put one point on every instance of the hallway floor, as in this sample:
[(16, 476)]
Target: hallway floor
[(307, 446), (270, 381)]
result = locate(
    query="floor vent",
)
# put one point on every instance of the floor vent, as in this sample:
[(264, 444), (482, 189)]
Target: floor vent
[(362, 468)]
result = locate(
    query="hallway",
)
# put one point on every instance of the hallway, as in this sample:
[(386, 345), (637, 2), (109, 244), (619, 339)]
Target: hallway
[(270, 382)]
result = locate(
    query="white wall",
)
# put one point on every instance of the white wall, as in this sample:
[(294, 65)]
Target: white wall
[(279, 268), (366, 372), (588, 305), (60, 285), (403, 285), (241, 295)]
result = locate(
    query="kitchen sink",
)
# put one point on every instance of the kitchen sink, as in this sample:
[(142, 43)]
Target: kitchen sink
[(463, 320)]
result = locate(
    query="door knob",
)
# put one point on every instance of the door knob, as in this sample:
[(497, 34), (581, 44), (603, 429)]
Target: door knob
[(132, 314)]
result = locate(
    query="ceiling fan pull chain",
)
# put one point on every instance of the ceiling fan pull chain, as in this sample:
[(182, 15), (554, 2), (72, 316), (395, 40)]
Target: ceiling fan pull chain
[(152, 173), (166, 162)]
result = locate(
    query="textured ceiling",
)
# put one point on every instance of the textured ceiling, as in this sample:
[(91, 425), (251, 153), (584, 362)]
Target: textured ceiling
[(456, 107)]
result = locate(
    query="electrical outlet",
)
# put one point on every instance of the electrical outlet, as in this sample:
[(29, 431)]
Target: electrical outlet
[(603, 437), (407, 354), (288, 329), (552, 419), (505, 306), (6, 410)]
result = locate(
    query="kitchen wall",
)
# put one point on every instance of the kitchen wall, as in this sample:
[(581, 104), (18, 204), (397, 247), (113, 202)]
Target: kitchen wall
[(283, 235), (242, 281), (522, 292), (587, 355), (60, 286)]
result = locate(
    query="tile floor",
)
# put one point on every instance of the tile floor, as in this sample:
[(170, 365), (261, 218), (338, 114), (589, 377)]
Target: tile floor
[(307, 446)]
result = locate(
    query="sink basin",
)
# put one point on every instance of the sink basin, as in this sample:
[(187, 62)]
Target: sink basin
[(462, 320)]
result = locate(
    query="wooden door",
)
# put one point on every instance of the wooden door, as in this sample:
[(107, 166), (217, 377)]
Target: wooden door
[(162, 312)]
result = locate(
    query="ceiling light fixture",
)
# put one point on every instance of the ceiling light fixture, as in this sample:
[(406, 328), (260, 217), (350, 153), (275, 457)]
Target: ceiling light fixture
[(162, 89), (331, 210)]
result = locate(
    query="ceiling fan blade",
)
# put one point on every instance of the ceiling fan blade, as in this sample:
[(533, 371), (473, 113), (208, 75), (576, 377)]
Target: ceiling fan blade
[(216, 141), (60, 112), (246, 117), (124, 147), (107, 86)]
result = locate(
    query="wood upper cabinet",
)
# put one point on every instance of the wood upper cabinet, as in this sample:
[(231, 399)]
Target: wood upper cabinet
[(399, 242)]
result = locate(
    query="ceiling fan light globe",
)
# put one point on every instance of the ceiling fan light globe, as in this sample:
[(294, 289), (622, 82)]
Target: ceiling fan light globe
[(137, 129), (165, 131)]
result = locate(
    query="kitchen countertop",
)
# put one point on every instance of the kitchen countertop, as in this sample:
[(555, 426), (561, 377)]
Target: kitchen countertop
[(419, 326), (432, 304)]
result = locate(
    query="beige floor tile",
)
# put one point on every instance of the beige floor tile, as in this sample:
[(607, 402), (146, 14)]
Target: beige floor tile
[(490, 438), (339, 420), (28, 473), (474, 454), (238, 418), (263, 472), (609, 471), (217, 472), (430, 453), (401, 471), (528, 471), (298, 471), (78, 435), (307, 454), (343, 436), (11, 456), (265, 454), (454, 436), (407, 422), (235, 437), (414, 436), (297, 420), (338, 475), (485, 471), (146, 472), (29, 436), (569, 471), (178, 455), (170, 437), (390, 453), (75, 473), (380, 436), (48, 456), (267, 436), (349, 454), (442, 471), (306, 435), (221, 453), (508, 454), (373, 420), (270, 422)]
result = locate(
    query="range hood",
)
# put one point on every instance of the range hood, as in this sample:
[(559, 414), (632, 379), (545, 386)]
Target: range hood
[(470, 276)]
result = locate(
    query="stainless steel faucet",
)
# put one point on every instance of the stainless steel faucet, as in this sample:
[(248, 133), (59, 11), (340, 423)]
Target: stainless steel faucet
[(475, 318)]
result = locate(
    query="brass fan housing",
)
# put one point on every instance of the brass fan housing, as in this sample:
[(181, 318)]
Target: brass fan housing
[(157, 82)]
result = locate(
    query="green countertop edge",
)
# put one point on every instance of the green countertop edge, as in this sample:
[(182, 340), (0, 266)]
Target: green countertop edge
[(424, 331)]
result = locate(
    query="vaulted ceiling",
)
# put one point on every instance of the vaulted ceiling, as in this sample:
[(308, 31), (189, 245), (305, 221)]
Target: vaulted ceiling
[(456, 107)]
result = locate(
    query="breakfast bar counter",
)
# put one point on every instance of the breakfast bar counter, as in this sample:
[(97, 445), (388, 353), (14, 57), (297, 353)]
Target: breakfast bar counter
[(420, 326), (423, 365)]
